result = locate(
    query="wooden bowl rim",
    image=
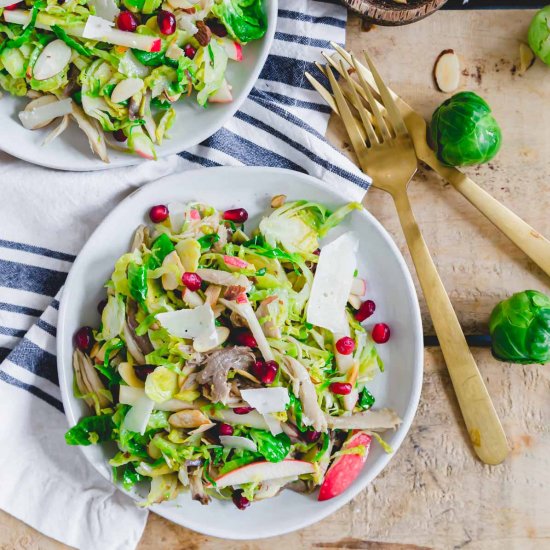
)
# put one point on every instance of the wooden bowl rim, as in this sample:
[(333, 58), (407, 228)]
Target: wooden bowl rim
[(381, 14)]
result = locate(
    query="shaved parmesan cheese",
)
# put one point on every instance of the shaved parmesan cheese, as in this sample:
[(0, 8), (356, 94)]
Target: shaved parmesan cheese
[(236, 442), (267, 400), (332, 284), (106, 9), (189, 323), (35, 117), (129, 395), (96, 28), (273, 424), (137, 417)]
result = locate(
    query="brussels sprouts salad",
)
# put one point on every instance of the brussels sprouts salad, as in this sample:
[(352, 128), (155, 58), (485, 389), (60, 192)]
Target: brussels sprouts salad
[(231, 362), (118, 67)]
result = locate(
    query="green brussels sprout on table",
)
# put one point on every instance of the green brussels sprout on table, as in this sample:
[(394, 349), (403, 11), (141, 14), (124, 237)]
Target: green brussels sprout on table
[(520, 328), (463, 131), (539, 34)]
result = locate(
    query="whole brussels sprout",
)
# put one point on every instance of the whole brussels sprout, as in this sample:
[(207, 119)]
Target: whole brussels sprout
[(539, 34), (463, 131), (520, 328)]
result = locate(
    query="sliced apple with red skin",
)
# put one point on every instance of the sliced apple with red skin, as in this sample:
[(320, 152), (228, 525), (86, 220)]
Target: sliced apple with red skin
[(233, 49), (263, 471), (345, 469)]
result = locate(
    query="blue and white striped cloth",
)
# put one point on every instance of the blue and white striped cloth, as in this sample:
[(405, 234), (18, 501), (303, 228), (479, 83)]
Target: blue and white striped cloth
[(46, 216)]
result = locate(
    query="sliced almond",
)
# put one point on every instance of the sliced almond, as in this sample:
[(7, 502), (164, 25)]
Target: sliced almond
[(188, 419), (53, 59), (126, 88), (447, 71), (526, 58), (278, 200)]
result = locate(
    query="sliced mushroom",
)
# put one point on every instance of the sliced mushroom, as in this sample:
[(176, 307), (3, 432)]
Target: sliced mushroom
[(197, 488), (87, 379), (131, 344), (218, 366), (188, 419), (313, 415), (143, 342), (93, 131), (374, 420)]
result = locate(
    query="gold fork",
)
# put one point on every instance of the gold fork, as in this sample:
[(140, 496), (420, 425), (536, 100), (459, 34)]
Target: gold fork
[(389, 158), (525, 237)]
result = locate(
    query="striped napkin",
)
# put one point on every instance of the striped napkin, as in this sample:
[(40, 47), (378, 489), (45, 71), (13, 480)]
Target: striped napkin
[(47, 217)]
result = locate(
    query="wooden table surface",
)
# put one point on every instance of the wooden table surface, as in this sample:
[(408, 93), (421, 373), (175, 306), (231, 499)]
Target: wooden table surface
[(434, 493)]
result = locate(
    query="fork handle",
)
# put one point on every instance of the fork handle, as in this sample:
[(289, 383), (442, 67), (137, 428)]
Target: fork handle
[(480, 417), (518, 231)]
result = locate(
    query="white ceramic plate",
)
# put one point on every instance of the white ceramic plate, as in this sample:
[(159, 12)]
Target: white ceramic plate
[(389, 284), (194, 124)]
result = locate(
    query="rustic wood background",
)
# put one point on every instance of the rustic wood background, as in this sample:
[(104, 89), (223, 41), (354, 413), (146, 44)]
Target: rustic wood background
[(434, 493)]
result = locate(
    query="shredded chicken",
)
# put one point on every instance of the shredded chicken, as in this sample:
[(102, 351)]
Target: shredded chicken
[(87, 379), (217, 368), (303, 387), (197, 488), (377, 420), (223, 278), (93, 132), (270, 329)]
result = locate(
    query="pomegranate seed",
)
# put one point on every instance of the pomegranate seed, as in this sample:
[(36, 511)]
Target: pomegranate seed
[(158, 213), (240, 501), (217, 27), (84, 338), (317, 252), (271, 368), (189, 51), (345, 345), (225, 429), (119, 135), (191, 280), (242, 410), (237, 215), (245, 338), (166, 21), (365, 311), (12, 6), (101, 306), (143, 371), (311, 436), (381, 333), (258, 369), (127, 21), (340, 388)]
